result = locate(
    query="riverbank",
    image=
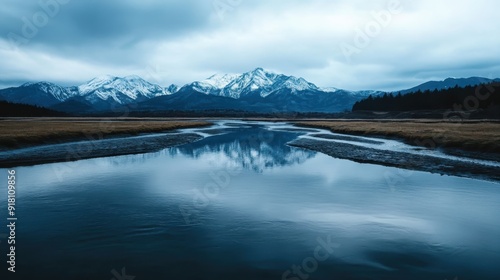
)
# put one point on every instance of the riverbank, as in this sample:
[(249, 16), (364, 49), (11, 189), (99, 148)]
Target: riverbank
[(472, 136), (474, 140), (18, 133), (426, 163), (74, 151)]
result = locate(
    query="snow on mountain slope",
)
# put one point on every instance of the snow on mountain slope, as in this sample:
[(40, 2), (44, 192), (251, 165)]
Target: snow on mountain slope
[(329, 89), (294, 84), (95, 83), (121, 90), (262, 89), (58, 92), (39, 94), (220, 81), (213, 85), (110, 89), (248, 82), (257, 81)]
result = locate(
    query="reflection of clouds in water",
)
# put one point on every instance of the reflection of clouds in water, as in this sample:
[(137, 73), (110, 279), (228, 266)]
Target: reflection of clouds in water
[(278, 214), (357, 223), (253, 148), (134, 159)]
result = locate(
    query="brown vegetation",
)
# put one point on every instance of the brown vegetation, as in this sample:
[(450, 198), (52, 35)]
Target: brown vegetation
[(473, 136), (15, 133)]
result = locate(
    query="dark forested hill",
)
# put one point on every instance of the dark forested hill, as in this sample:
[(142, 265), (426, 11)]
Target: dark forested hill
[(470, 98), (8, 109)]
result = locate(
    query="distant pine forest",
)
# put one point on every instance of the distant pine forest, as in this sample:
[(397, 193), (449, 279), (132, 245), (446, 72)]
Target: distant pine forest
[(485, 98), (8, 109)]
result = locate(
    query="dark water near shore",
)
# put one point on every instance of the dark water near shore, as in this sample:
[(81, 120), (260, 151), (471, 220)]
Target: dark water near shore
[(244, 205)]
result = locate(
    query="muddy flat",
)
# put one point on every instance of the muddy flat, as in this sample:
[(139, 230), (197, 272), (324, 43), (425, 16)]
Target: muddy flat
[(79, 150), (405, 160)]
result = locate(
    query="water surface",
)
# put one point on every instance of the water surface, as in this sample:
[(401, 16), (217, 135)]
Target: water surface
[(241, 204)]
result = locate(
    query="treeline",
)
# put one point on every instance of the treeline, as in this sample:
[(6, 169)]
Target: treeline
[(218, 114), (8, 109), (483, 97)]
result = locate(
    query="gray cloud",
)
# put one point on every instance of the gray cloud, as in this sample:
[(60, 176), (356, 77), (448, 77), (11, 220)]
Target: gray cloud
[(92, 21), (105, 30), (181, 41)]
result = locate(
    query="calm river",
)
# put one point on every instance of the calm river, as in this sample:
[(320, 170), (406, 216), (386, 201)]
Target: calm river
[(241, 204)]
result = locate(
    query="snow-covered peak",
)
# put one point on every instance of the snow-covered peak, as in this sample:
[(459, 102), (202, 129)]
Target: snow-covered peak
[(132, 87), (214, 84), (267, 82), (249, 82), (299, 84), (259, 80), (58, 92), (262, 77), (220, 81), (96, 83), (262, 71)]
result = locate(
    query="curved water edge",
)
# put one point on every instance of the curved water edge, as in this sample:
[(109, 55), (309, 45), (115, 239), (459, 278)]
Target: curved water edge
[(370, 150), (241, 203), (357, 148)]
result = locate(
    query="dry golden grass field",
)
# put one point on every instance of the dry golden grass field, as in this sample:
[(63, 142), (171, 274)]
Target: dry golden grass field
[(15, 133), (475, 136)]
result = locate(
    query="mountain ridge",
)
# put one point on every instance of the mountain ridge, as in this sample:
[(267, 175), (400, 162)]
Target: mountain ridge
[(256, 90), (448, 83)]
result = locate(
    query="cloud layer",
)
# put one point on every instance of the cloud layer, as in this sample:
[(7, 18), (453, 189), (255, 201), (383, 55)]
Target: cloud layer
[(352, 44)]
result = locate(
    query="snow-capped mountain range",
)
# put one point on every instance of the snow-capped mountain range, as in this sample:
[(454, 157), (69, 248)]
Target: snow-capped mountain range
[(104, 92), (257, 90), (132, 87), (257, 81), (105, 88)]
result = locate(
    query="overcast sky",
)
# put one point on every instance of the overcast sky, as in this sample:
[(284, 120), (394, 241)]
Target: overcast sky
[(350, 44)]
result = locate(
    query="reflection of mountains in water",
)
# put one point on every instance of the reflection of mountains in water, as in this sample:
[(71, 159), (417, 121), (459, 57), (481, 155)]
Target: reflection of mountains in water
[(252, 148)]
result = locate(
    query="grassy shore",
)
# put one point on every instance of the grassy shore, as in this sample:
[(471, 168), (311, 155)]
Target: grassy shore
[(480, 136), (16, 133)]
